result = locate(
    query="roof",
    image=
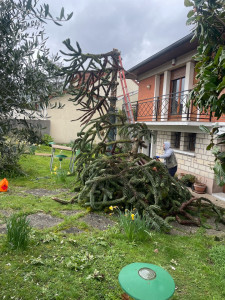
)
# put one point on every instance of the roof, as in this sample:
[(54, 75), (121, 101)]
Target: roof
[(176, 49)]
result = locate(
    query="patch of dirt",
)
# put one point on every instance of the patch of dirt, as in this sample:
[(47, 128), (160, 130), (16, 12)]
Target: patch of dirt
[(3, 228), (6, 213), (41, 220), (97, 221), (44, 192), (179, 229), (72, 230)]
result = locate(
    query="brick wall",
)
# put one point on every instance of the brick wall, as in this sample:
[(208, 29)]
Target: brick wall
[(144, 92)]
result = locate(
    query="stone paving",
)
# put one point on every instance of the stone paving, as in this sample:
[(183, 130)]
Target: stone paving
[(41, 220)]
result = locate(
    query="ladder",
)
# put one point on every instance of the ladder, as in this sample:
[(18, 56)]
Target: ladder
[(126, 96)]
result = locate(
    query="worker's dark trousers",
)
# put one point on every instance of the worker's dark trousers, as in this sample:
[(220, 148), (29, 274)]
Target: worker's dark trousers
[(172, 171)]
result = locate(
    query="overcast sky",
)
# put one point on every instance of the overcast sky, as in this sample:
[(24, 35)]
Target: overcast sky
[(138, 28)]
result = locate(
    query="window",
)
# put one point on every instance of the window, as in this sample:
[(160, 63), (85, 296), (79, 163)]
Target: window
[(191, 141), (175, 140), (184, 141), (177, 96)]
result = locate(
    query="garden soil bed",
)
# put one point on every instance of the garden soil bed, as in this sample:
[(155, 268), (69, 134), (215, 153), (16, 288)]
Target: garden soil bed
[(179, 229), (97, 221)]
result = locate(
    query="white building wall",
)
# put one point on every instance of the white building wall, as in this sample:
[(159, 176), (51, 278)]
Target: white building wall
[(64, 125)]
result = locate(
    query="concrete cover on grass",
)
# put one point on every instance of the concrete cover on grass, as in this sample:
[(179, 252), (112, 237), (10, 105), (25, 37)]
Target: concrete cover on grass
[(41, 220)]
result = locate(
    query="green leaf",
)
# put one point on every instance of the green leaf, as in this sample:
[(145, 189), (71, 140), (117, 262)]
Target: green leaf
[(188, 3), (219, 172), (210, 146), (209, 86), (69, 16), (222, 56), (215, 129), (221, 85), (221, 155), (78, 47), (190, 20), (28, 6), (216, 59), (190, 14), (46, 9), (62, 13), (57, 23), (204, 129)]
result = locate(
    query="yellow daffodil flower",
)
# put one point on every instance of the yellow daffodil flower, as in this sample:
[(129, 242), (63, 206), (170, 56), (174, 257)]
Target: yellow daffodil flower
[(111, 207), (132, 217)]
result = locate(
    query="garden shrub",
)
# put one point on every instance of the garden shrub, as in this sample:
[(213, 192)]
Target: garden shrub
[(188, 179), (46, 139), (10, 151)]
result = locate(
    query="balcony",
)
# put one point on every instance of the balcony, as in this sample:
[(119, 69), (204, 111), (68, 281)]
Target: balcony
[(168, 108)]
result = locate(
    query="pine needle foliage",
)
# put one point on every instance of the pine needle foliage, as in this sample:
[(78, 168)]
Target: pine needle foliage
[(115, 173), (91, 80)]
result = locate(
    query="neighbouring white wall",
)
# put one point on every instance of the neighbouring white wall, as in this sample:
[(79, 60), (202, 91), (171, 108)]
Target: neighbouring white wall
[(63, 129), (132, 87)]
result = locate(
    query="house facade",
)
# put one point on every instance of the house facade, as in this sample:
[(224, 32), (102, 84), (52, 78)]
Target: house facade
[(165, 81)]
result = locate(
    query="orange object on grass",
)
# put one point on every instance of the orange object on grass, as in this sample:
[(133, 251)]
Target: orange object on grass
[(4, 185)]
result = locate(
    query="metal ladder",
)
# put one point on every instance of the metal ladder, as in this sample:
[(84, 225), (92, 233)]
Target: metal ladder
[(126, 98)]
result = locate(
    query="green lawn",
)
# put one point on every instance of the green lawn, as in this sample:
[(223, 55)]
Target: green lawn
[(86, 265)]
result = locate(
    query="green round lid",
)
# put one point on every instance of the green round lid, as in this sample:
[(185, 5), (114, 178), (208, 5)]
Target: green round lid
[(144, 281), (61, 156)]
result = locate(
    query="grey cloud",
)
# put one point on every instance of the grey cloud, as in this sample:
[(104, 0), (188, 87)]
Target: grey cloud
[(137, 28)]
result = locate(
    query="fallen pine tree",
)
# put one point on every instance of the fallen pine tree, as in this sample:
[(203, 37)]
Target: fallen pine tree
[(113, 173)]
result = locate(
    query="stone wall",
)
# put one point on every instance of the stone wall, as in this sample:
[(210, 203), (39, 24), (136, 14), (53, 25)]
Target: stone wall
[(198, 162)]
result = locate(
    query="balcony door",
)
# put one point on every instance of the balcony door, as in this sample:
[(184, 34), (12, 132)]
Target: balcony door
[(177, 95)]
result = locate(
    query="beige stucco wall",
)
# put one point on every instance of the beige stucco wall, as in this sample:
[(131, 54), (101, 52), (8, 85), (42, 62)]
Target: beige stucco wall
[(198, 163), (62, 128)]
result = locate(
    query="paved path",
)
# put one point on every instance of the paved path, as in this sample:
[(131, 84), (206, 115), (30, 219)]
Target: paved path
[(212, 198), (43, 154)]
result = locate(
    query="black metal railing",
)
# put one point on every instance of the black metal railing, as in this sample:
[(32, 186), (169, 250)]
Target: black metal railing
[(171, 107)]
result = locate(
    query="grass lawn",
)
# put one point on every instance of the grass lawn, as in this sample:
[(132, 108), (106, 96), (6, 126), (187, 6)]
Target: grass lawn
[(86, 265)]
